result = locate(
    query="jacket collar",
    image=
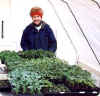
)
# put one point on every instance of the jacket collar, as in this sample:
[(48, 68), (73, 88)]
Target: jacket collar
[(42, 24)]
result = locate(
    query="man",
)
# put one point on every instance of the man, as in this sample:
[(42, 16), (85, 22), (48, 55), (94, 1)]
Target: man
[(38, 34)]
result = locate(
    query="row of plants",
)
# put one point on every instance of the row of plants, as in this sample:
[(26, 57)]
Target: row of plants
[(41, 72)]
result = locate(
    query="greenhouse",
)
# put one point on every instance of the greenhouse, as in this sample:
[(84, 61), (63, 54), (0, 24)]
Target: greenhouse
[(76, 62)]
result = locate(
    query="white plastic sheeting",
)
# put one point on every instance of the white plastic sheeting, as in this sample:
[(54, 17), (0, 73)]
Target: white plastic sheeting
[(72, 46), (87, 14)]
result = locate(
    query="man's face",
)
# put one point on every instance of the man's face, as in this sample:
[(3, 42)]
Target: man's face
[(36, 19)]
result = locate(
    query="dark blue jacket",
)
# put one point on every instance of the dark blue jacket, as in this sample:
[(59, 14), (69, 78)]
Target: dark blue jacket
[(44, 39)]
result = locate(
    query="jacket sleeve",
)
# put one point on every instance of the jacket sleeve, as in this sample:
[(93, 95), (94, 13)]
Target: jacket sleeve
[(52, 42), (24, 44)]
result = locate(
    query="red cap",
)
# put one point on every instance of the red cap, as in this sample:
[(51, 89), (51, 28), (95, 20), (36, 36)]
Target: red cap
[(36, 11)]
